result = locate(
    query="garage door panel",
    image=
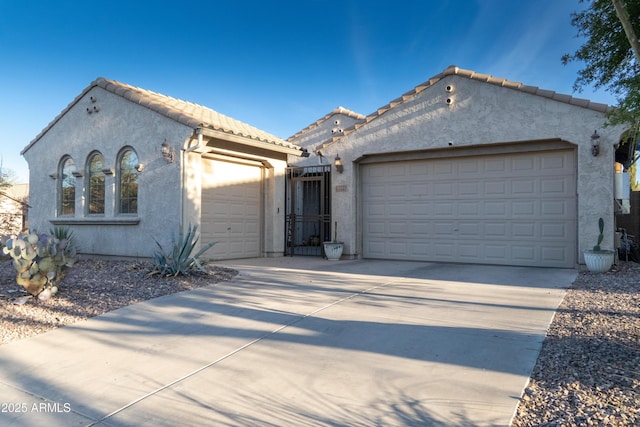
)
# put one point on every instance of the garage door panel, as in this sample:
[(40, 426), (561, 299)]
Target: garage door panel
[(497, 208), (470, 252), (470, 230), (524, 230), (397, 228), (524, 253), (523, 187), (494, 230), (493, 188), (444, 208), (520, 209), (524, 164), (495, 165), (517, 209), (554, 186), (554, 254), (496, 253), (554, 231)]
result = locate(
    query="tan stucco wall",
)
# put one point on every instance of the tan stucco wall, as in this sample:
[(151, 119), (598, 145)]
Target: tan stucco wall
[(480, 114), (117, 124), (274, 199), (326, 129)]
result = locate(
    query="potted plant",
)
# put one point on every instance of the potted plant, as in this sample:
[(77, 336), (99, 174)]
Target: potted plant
[(333, 249), (599, 260)]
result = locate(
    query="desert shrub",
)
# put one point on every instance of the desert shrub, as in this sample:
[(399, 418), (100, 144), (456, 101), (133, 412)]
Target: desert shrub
[(180, 260), (65, 236), (39, 260)]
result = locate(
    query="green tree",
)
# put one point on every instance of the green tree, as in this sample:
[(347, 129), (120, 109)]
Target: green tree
[(609, 57)]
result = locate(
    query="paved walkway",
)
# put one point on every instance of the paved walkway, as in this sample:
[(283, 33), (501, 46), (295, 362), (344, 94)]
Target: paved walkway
[(296, 342)]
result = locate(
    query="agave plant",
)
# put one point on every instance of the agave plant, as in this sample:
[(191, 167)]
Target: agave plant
[(66, 238), (180, 260)]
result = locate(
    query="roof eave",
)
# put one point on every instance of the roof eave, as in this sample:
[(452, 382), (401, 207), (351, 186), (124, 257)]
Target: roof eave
[(266, 145)]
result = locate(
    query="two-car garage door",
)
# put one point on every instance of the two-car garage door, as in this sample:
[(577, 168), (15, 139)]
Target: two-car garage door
[(509, 209)]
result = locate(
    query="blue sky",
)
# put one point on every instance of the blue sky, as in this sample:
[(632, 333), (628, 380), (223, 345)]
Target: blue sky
[(277, 65)]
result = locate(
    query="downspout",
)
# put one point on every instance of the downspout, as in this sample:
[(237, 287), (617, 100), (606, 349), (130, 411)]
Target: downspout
[(198, 132), (189, 149)]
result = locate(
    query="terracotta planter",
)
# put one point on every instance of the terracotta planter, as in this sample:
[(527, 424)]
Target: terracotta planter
[(333, 250), (599, 261)]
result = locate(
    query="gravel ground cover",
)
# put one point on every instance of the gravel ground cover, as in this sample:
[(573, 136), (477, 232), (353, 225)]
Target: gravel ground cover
[(90, 288), (587, 373)]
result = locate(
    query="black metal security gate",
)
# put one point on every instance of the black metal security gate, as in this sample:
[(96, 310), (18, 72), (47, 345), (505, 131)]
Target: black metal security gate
[(308, 213)]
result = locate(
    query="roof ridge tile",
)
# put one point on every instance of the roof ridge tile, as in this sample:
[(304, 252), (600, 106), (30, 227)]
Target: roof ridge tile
[(472, 75)]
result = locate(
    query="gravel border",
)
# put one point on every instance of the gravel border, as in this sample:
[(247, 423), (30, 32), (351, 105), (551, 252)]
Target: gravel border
[(587, 373), (90, 288)]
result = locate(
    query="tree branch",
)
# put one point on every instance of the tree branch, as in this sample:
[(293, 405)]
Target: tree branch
[(623, 16)]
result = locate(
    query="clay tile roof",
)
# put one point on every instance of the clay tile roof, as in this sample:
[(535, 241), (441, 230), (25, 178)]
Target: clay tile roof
[(187, 113), (470, 74)]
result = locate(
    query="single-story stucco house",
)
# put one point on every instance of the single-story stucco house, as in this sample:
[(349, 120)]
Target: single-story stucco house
[(123, 166), (465, 167)]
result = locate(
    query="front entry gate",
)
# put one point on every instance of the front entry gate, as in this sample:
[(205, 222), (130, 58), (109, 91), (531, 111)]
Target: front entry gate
[(308, 211)]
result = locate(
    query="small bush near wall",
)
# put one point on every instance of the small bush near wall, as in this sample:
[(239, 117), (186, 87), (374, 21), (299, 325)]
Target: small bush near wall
[(180, 259)]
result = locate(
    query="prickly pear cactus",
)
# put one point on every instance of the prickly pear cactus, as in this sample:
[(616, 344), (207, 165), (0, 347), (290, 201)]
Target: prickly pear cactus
[(601, 235), (39, 261)]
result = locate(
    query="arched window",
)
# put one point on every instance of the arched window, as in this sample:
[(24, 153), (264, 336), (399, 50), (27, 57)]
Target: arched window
[(95, 189), (67, 187), (128, 182)]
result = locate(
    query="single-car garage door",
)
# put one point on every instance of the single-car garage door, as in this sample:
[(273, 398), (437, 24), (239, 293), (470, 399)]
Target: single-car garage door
[(510, 209), (231, 209)]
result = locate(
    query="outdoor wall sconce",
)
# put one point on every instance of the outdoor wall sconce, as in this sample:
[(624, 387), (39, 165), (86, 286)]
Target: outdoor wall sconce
[(339, 165), (167, 152), (595, 144), (139, 167)]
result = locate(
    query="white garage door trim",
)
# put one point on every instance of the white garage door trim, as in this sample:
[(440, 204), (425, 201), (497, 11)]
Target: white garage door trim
[(232, 207), (509, 209)]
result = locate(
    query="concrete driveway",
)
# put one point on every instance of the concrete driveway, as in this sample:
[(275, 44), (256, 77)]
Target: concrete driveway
[(297, 342)]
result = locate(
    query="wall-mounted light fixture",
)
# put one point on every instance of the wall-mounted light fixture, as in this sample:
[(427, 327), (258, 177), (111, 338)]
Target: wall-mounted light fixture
[(167, 152), (339, 165), (595, 144)]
